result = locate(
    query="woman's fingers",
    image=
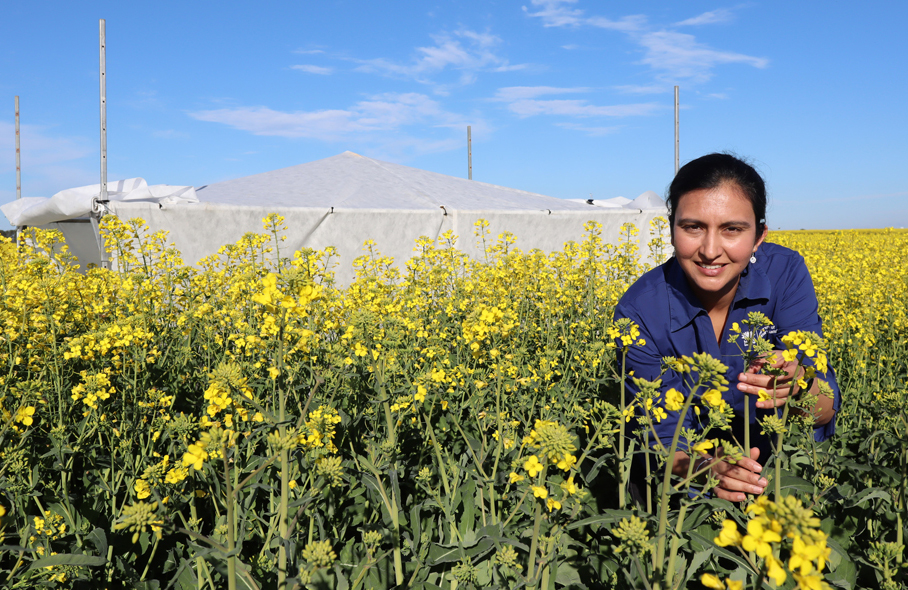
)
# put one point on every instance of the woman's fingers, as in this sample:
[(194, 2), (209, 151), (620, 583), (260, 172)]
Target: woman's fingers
[(735, 481), (753, 384)]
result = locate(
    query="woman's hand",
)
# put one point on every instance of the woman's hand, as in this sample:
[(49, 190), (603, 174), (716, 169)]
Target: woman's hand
[(738, 479), (735, 480), (752, 382)]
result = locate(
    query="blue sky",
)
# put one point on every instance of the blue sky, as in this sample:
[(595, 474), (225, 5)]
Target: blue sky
[(565, 98)]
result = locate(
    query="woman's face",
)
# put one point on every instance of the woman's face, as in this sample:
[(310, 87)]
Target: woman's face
[(715, 234)]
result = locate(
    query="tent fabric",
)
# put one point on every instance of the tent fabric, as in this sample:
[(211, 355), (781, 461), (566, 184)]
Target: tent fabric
[(75, 203), (344, 200), (341, 202), (352, 181), (199, 230)]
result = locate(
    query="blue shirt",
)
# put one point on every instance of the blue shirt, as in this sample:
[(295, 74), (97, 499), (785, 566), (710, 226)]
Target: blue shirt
[(673, 322)]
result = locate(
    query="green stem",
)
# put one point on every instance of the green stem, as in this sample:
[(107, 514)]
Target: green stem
[(673, 551), (622, 483), (534, 547), (231, 525), (659, 556)]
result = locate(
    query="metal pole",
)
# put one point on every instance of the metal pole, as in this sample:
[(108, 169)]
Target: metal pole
[(677, 140), (103, 112), (18, 162), (469, 155), (95, 215)]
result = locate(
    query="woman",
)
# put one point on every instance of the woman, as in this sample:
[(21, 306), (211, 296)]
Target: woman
[(721, 271)]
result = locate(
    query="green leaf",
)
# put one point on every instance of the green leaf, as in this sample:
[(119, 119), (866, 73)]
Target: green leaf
[(796, 483), (98, 538), (69, 559), (607, 517)]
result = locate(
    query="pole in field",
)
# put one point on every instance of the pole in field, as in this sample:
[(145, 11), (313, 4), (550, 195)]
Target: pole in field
[(103, 40), (18, 162), (469, 155), (677, 140), (98, 204)]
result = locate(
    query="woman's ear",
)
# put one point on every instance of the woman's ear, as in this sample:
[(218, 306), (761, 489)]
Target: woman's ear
[(761, 237)]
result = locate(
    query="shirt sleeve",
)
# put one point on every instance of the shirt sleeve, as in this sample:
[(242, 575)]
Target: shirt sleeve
[(798, 309), (645, 362)]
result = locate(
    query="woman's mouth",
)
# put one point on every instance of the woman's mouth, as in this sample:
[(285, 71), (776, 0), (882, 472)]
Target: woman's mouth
[(710, 270)]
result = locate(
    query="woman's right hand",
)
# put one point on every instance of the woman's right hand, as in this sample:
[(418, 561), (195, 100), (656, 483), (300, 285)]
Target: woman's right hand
[(738, 479)]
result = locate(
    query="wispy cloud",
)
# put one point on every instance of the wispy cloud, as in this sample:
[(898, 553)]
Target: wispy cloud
[(525, 101), (366, 122), (578, 108), (591, 131), (722, 15), (464, 50), (671, 55), (311, 69), (49, 162), (308, 51), (512, 93), (170, 134)]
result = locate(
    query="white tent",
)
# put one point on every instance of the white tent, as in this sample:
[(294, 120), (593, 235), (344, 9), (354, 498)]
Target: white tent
[(347, 199)]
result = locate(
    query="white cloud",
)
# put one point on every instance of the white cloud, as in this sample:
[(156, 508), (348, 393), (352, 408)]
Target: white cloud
[(644, 89), (49, 163), (513, 93), (555, 13), (308, 51), (170, 134), (722, 15), (679, 56), (384, 112), (671, 55), (578, 108), (310, 69), (591, 131), (464, 50), (39, 148)]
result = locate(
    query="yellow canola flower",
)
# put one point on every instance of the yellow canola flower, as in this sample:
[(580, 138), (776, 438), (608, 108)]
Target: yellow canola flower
[(758, 538), (703, 447), (24, 415), (515, 477), (775, 570), (532, 465), (566, 462), (712, 581), (713, 397), (729, 536), (195, 456), (553, 504), (674, 400), (540, 492)]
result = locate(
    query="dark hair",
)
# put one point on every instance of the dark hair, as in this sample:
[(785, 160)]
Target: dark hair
[(712, 170)]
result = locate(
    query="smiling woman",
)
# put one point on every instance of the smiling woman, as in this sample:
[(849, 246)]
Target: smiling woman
[(722, 271)]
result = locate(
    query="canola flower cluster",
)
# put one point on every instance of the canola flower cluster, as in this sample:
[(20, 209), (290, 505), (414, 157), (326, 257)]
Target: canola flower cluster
[(481, 380), (773, 525)]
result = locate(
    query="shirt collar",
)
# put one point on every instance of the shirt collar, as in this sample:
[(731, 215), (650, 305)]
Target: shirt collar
[(684, 306)]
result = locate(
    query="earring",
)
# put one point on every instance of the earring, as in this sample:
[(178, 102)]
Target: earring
[(753, 258)]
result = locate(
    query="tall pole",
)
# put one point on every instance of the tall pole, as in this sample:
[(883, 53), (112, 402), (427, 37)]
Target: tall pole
[(469, 154), (18, 162), (677, 141), (103, 40), (95, 214)]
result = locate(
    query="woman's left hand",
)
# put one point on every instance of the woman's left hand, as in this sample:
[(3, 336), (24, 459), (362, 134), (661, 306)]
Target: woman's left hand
[(751, 382)]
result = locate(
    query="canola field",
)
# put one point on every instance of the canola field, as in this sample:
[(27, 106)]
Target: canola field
[(454, 423)]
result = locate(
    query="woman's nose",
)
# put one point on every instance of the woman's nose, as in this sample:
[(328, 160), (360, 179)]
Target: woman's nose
[(710, 247)]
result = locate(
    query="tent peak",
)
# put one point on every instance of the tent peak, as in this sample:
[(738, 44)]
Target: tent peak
[(352, 154)]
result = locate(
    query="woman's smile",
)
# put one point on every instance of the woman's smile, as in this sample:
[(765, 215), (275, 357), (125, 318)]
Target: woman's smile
[(715, 235)]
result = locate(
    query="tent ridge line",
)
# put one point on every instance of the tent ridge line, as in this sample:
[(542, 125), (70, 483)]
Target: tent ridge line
[(419, 192)]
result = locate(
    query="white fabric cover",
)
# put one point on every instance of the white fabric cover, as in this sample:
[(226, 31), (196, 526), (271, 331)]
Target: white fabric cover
[(340, 201), (74, 203)]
